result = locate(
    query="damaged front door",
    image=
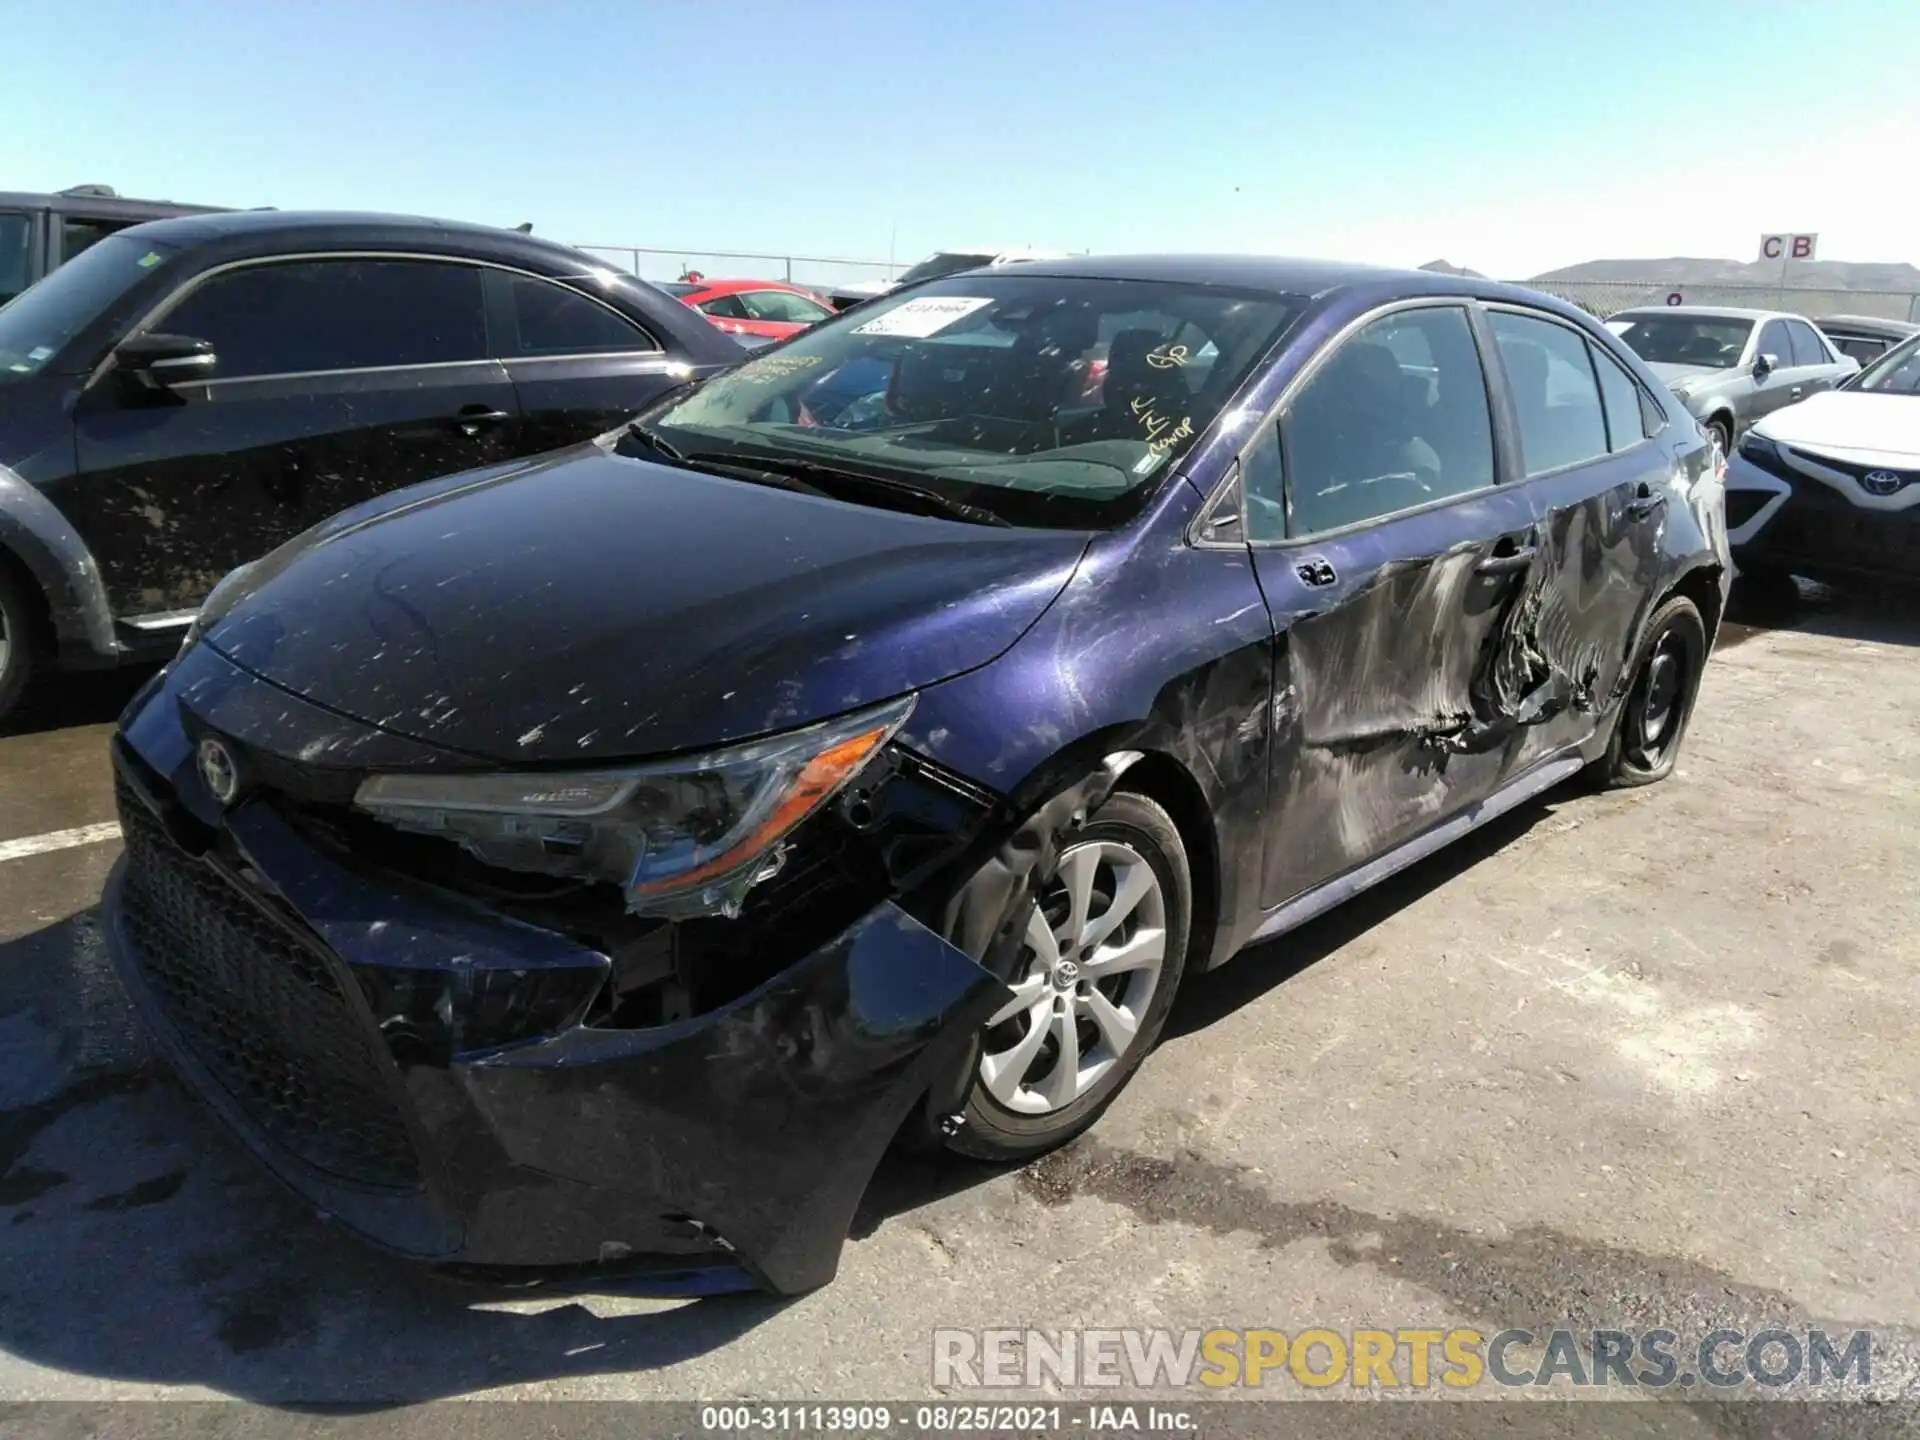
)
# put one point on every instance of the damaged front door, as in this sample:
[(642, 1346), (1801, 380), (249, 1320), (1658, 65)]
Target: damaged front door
[(1393, 563)]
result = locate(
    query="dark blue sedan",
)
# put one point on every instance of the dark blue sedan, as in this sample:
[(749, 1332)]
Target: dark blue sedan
[(603, 858)]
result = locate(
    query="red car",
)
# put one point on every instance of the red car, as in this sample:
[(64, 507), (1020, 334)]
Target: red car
[(767, 308)]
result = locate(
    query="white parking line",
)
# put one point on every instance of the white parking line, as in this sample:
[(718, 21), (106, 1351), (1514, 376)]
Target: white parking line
[(58, 840)]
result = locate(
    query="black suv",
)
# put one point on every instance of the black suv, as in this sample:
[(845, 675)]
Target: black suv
[(190, 393), (40, 233)]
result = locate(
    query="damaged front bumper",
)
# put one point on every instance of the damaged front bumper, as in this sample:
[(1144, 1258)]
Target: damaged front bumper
[(724, 1150)]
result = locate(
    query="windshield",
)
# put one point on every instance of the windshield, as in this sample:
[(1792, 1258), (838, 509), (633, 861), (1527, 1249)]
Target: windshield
[(16, 230), (1714, 342), (1044, 400), (35, 326), (944, 263), (1895, 373)]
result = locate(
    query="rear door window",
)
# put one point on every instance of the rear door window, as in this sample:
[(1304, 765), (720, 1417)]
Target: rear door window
[(1396, 418), (1626, 423), (550, 319), (314, 315), (727, 307), (1859, 347), (1556, 398)]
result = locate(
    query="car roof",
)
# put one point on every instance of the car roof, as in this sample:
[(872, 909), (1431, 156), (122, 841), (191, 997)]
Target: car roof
[(94, 203), (330, 228), (1718, 312), (734, 287), (1278, 274), (1871, 324)]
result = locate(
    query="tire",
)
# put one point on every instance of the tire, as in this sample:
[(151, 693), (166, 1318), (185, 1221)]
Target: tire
[(1011, 1116), (1652, 720), (1764, 586), (21, 644), (1720, 430)]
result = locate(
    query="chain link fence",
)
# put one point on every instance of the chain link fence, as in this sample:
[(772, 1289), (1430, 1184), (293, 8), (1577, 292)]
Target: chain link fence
[(814, 272), (1602, 297), (1606, 297)]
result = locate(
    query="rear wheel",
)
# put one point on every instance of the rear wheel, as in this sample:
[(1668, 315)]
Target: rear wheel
[(1105, 946), (1720, 430), (1653, 717), (20, 635)]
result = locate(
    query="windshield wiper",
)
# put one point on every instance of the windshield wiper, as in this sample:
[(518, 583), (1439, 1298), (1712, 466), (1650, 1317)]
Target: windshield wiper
[(748, 468), (831, 479), (649, 442), (711, 462), (809, 477)]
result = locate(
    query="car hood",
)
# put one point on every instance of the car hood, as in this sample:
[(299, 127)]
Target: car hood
[(591, 607), (1856, 425), (1669, 373)]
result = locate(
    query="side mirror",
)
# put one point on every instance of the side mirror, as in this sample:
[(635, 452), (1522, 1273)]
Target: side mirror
[(1764, 365), (159, 362)]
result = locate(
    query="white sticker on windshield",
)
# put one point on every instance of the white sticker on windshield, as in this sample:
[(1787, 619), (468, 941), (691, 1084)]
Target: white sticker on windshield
[(923, 316), (40, 352)]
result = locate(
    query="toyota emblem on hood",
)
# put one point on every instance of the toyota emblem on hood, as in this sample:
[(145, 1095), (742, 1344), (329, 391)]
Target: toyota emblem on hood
[(1881, 482), (219, 770)]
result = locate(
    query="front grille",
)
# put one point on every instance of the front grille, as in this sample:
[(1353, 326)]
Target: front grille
[(1816, 526), (1857, 471), (262, 1010), (1743, 505)]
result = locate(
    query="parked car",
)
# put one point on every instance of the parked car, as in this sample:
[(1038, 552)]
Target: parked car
[(1730, 367), (605, 858), (1864, 338), (935, 266), (40, 233), (190, 393), (1830, 488), (766, 309)]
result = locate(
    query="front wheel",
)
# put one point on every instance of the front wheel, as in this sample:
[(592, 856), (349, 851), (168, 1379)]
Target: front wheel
[(1720, 431), (19, 637), (1105, 946), (1653, 718)]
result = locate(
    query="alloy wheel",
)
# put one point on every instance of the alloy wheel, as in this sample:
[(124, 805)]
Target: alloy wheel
[(1095, 946)]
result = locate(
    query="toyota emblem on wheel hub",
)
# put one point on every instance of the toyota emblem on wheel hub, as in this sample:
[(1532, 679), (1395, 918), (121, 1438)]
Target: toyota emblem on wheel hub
[(218, 770)]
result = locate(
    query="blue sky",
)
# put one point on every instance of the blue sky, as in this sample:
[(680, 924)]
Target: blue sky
[(1509, 137)]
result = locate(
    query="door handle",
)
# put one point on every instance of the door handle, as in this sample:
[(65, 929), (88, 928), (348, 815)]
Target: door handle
[(1646, 501), (472, 419), (1797, 391), (1509, 561)]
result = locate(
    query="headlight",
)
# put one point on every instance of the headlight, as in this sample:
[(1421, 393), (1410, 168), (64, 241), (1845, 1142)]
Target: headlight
[(679, 837), (218, 600)]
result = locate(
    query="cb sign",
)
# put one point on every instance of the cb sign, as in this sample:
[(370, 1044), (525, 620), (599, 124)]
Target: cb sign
[(1788, 247)]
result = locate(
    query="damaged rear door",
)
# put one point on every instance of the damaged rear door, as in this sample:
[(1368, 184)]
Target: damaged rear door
[(1392, 559), (1600, 487)]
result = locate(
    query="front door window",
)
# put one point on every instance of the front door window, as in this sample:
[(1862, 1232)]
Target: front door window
[(1396, 418)]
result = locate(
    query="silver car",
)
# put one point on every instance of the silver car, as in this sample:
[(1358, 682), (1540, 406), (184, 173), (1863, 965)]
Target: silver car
[(1729, 367)]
